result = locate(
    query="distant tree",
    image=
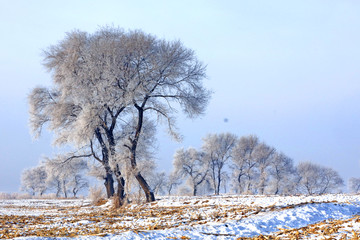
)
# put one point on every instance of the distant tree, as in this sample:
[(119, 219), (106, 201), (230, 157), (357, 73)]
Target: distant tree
[(244, 163), (33, 180), (332, 181), (258, 168), (354, 185), (190, 164), (173, 180), (77, 183), (282, 172), (111, 77), (263, 155), (217, 149), (66, 174), (316, 179), (158, 181)]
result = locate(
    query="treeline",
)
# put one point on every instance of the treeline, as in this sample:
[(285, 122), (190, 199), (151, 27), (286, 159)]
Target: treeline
[(224, 163), (228, 164), (64, 178)]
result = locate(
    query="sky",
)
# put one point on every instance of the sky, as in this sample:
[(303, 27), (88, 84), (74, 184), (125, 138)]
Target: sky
[(286, 71)]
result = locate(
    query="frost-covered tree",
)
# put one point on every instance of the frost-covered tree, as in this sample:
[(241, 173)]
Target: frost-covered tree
[(316, 179), (33, 180), (191, 165), (263, 155), (332, 181), (163, 76), (146, 150), (217, 149), (77, 183), (244, 164), (354, 185), (82, 107), (102, 80), (172, 181), (282, 172), (66, 175), (253, 166), (158, 181)]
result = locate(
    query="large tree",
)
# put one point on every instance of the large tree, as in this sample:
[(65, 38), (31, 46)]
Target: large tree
[(106, 81)]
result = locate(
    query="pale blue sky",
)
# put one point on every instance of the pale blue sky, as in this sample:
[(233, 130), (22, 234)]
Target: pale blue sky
[(287, 71)]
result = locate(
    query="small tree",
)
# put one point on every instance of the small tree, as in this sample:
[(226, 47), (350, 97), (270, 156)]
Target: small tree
[(190, 164), (33, 180)]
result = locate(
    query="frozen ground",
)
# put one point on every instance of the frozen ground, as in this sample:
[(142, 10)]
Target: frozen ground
[(221, 217)]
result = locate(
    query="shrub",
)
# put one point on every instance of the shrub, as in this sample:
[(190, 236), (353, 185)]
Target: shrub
[(96, 194)]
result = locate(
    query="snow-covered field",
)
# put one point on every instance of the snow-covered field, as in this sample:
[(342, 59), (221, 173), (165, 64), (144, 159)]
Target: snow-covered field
[(212, 217)]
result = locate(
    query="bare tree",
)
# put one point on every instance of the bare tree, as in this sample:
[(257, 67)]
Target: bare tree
[(102, 78), (316, 179), (33, 180), (354, 185), (190, 164), (217, 149)]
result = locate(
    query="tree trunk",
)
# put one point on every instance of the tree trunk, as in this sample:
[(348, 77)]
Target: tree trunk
[(120, 185), (171, 186), (109, 181), (64, 189), (150, 197), (195, 191), (239, 181), (109, 185), (58, 189), (217, 191)]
